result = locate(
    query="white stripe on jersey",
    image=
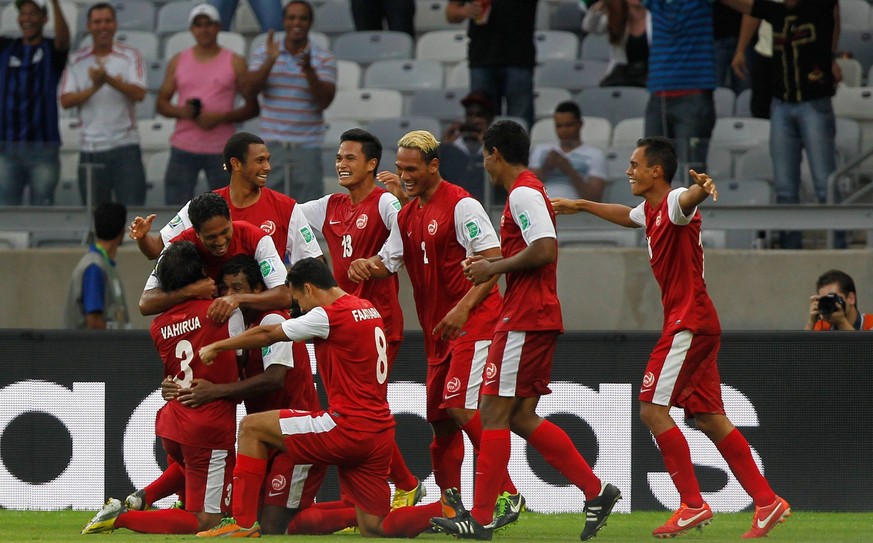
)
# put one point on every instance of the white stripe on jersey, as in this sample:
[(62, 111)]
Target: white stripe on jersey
[(215, 482), (307, 424), (511, 362), (672, 366), (477, 367), (298, 480)]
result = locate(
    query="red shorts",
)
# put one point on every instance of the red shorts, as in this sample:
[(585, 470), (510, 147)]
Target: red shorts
[(683, 372), (520, 364), (361, 458), (208, 476), (455, 382), (290, 485)]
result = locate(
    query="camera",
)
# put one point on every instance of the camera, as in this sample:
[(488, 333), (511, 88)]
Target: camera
[(830, 303), (197, 104)]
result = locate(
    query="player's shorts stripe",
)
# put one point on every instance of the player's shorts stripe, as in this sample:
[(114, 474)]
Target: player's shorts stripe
[(215, 482), (307, 424), (477, 366), (672, 366), (298, 480), (511, 361)]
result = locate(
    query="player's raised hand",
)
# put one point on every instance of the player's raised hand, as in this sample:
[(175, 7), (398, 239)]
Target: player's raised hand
[(140, 227), (706, 183)]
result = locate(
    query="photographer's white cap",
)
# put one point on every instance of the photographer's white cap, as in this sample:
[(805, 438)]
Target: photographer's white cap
[(204, 9), (41, 4)]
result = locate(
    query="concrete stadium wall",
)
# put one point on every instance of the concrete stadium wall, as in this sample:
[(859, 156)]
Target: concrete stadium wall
[(600, 288)]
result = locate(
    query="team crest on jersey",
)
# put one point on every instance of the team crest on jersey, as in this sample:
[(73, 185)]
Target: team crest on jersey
[(361, 222), (473, 229), (658, 219), (453, 385), (268, 227), (278, 483), (306, 232), (524, 220), (432, 227), (266, 267), (491, 370), (176, 221), (648, 380)]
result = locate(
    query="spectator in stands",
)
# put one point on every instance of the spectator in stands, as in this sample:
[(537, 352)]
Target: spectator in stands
[(461, 146), (626, 23), (682, 78), (30, 68), (803, 83), (298, 81), (501, 52), (570, 168), (205, 78), (835, 307), (726, 25), (95, 298), (268, 12), (757, 68), (398, 15), (105, 80)]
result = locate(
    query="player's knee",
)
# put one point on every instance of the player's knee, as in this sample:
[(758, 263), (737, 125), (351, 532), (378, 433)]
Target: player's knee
[(461, 416)]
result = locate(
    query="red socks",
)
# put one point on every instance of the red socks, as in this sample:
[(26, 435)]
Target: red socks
[(558, 450), (474, 431), (490, 471), (677, 459), (161, 521), (323, 520), (171, 481), (447, 454), (247, 478), (411, 521), (399, 473), (735, 450)]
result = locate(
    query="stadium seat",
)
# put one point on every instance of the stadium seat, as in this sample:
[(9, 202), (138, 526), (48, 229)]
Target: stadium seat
[(617, 162), (144, 42), (858, 42), (852, 72), (458, 76), (244, 21), (404, 75), (390, 130), (724, 99), (614, 103), (857, 103), (156, 169), (547, 98), (446, 46), (514, 119), (333, 131), (619, 191), (155, 72), (567, 16), (543, 16), (595, 130), (431, 15), (71, 135), (180, 41), (364, 105), (318, 38), (736, 192), (573, 75), (855, 15), (67, 191), (154, 134), (173, 17), (442, 104), (626, 133), (135, 15), (348, 74), (848, 139), (595, 47), (365, 47), (742, 105), (755, 164), (731, 137), (556, 44), (333, 18), (146, 108)]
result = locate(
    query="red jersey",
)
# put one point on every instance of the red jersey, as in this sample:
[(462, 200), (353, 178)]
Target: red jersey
[(676, 256), (432, 254), (354, 231), (530, 301), (352, 355), (247, 240), (298, 391), (179, 333)]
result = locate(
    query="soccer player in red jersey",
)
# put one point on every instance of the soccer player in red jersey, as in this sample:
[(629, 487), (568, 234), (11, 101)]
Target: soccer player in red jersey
[(355, 433), (199, 439), (356, 225), (682, 370), (217, 239), (519, 366), (440, 227), (247, 159)]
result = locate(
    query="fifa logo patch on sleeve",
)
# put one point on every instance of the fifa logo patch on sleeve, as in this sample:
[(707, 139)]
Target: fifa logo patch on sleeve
[(265, 351), (176, 221), (266, 267), (307, 234), (396, 205), (524, 220), (473, 229)]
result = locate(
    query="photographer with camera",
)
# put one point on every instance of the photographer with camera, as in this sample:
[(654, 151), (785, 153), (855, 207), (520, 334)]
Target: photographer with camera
[(835, 305)]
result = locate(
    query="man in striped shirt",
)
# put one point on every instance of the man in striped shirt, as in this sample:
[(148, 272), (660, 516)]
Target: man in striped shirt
[(298, 81)]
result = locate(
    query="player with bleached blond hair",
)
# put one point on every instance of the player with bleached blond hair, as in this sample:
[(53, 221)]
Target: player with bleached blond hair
[(439, 228)]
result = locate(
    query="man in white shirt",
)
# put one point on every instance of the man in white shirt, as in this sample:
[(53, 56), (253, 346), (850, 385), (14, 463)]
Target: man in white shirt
[(105, 80), (570, 168)]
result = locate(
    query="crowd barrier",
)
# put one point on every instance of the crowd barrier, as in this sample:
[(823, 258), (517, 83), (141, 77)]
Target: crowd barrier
[(77, 420)]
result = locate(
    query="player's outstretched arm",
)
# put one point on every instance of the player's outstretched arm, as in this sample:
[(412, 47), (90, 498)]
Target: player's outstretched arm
[(149, 245), (253, 338), (614, 213), (702, 188), (155, 300), (278, 297), (364, 269)]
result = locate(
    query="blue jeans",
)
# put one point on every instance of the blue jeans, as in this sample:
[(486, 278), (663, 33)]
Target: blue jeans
[(794, 127), (268, 12), (302, 165), (183, 169), (117, 170), (515, 83), (34, 164), (687, 121)]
